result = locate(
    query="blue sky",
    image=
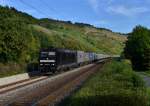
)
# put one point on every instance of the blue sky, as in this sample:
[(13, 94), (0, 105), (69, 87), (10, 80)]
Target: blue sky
[(117, 15)]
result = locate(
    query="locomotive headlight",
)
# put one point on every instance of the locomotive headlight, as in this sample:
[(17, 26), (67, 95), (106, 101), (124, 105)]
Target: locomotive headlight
[(53, 64)]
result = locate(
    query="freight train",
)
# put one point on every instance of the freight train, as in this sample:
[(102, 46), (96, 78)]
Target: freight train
[(56, 59)]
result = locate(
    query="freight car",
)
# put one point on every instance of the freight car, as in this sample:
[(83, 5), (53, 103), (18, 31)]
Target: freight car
[(56, 59)]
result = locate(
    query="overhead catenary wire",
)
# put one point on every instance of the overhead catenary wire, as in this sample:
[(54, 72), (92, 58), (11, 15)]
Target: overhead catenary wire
[(48, 7), (40, 11), (31, 6), (51, 8)]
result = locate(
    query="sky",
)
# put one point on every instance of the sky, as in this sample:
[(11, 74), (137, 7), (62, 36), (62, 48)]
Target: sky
[(117, 15)]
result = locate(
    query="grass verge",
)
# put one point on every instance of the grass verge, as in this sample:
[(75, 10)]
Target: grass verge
[(115, 85), (7, 70), (147, 73), (148, 93)]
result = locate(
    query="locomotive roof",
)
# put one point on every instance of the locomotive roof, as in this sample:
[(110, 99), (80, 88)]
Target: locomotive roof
[(57, 49), (62, 49)]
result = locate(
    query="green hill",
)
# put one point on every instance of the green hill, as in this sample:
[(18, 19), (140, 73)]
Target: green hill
[(83, 37), (22, 36)]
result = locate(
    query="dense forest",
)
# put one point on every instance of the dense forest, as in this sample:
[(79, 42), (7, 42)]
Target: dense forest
[(22, 36)]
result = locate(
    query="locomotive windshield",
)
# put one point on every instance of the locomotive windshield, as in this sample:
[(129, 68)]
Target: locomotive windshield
[(44, 54), (47, 55)]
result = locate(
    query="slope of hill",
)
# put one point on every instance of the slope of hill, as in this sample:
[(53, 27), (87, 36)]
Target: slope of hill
[(96, 39), (21, 37)]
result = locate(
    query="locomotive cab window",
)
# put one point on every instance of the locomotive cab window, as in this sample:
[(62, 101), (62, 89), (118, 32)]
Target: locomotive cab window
[(44, 54), (48, 55)]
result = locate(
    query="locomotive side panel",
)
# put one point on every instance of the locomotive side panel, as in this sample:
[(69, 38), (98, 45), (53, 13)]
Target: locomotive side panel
[(66, 58)]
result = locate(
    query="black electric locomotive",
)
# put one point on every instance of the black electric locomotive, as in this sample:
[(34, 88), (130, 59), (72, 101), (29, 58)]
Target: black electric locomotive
[(54, 59)]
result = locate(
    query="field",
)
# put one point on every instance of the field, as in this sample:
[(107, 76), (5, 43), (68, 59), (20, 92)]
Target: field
[(115, 85)]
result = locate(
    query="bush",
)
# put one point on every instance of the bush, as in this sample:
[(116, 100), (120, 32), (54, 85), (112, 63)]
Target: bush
[(116, 85), (138, 48), (15, 45)]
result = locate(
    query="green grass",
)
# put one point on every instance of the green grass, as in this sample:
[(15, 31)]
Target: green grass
[(11, 69), (13, 72), (148, 93), (147, 73), (84, 38), (115, 85)]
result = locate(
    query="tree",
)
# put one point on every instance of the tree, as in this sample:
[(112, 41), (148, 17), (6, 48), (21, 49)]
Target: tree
[(17, 42), (138, 48)]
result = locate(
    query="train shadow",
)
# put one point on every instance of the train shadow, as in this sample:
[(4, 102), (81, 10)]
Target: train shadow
[(33, 70)]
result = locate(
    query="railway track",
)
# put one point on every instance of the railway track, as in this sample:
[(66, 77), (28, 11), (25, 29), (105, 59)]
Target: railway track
[(19, 84), (48, 91)]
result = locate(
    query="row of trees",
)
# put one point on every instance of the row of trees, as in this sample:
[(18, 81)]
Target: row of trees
[(138, 48)]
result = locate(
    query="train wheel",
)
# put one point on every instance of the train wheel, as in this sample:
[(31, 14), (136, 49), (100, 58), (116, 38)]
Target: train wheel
[(53, 71)]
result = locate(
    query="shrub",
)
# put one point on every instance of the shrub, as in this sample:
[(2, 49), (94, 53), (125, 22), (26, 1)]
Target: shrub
[(116, 85), (138, 48)]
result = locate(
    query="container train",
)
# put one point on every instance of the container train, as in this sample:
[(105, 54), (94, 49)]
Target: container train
[(56, 59)]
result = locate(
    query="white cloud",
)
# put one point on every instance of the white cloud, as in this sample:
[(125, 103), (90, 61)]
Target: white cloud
[(96, 4), (127, 11), (109, 1)]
